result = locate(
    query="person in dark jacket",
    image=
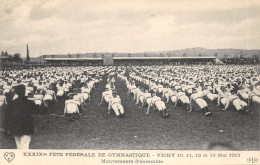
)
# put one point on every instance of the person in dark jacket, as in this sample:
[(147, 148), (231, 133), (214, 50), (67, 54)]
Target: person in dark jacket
[(20, 121)]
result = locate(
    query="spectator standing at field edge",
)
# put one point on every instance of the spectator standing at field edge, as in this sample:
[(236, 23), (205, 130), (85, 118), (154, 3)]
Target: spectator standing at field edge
[(20, 122)]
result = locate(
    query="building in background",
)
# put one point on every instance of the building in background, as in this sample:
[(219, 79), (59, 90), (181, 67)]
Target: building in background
[(109, 59)]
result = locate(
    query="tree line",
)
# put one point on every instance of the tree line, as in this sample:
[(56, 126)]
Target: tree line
[(16, 57)]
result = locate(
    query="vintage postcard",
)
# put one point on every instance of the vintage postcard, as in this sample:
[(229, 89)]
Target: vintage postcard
[(129, 82)]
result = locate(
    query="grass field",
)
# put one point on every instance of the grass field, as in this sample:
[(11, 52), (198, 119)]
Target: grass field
[(137, 131)]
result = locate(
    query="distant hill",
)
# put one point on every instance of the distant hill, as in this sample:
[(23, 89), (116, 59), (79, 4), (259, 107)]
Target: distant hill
[(198, 51)]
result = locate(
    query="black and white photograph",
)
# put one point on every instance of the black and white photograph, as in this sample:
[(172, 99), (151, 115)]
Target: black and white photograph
[(130, 75)]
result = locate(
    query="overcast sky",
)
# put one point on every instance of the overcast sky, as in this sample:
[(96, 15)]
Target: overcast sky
[(80, 26)]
